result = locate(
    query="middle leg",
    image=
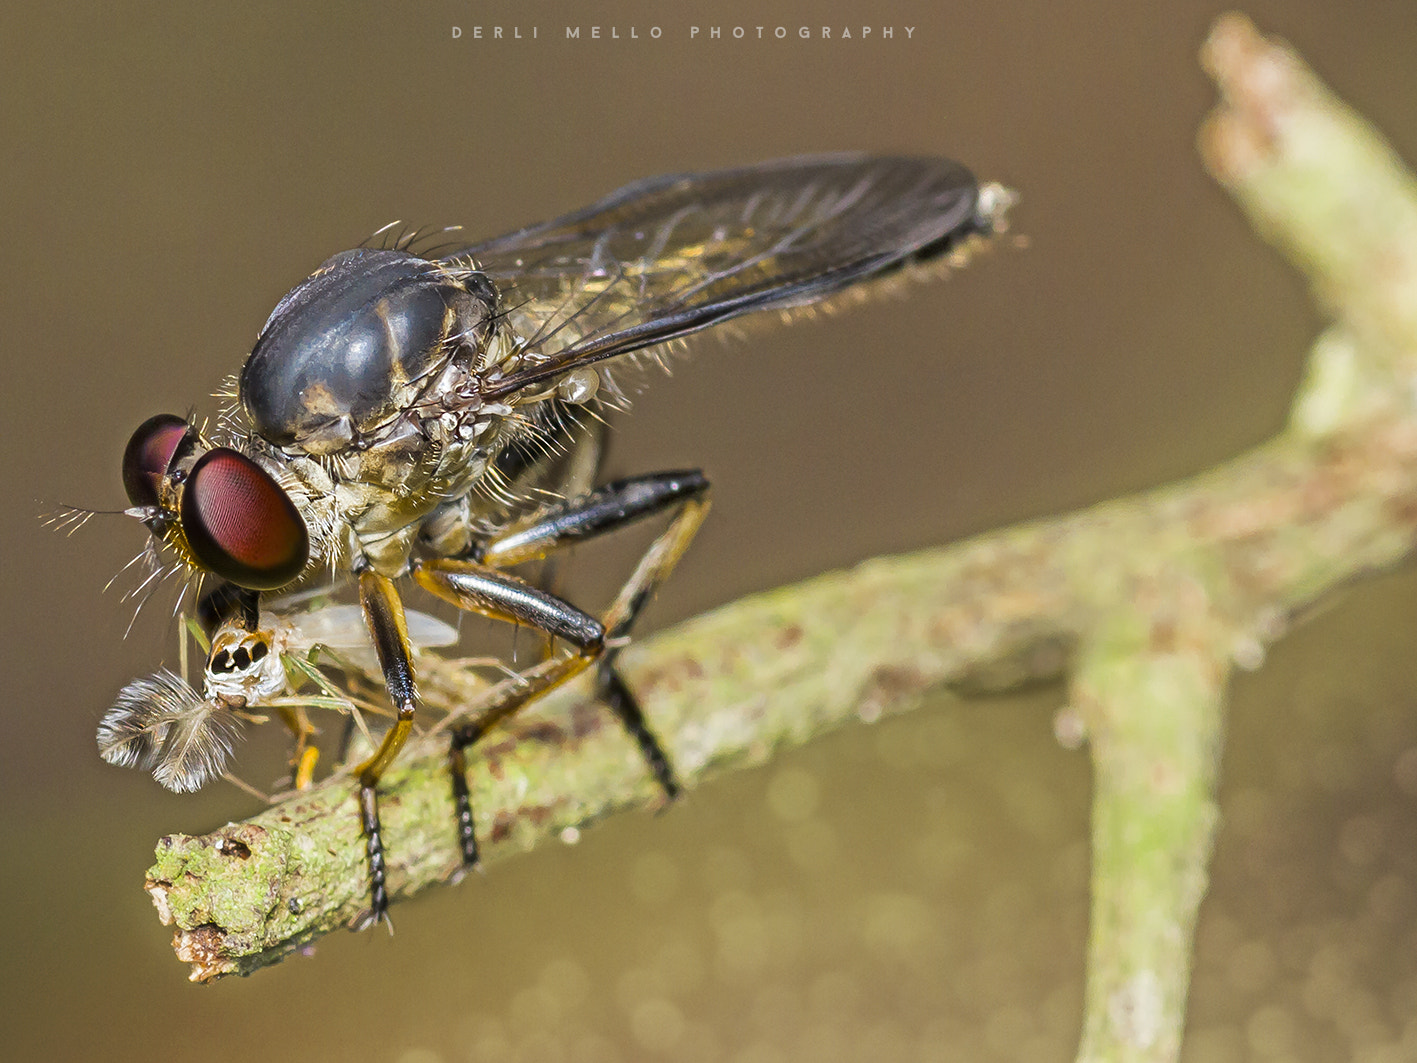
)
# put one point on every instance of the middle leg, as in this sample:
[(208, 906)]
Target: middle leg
[(598, 512)]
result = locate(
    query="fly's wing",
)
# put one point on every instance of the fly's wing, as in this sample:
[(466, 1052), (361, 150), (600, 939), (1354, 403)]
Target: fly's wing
[(671, 255)]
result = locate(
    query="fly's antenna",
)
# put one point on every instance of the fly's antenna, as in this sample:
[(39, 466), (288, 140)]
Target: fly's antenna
[(67, 519)]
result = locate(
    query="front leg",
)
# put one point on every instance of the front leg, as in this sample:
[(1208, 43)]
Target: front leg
[(383, 613)]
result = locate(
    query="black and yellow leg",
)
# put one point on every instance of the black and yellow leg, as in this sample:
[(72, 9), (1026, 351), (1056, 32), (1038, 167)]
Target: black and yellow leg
[(571, 466), (606, 509), (478, 586), (383, 613), (305, 754), (603, 510), (480, 589), (691, 494), (612, 690)]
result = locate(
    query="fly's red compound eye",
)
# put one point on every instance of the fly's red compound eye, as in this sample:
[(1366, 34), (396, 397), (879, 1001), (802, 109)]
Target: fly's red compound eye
[(240, 525), (149, 455)]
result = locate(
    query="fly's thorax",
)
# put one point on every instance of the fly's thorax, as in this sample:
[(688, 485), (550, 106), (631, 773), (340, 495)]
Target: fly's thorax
[(466, 501), (448, 530), (370, 341), (385, 522)]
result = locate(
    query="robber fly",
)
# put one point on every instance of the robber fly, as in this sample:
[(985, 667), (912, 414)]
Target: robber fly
[(387, 422)]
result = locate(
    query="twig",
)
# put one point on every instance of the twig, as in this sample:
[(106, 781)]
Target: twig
[(1145, 604)]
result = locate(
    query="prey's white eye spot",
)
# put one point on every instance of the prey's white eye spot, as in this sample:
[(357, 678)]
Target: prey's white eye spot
[(579, 386)]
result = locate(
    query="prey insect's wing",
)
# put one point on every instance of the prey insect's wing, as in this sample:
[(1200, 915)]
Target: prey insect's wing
[(342, 627), (666, 257)]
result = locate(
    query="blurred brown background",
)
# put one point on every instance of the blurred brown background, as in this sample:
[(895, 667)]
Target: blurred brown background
[(914, 890)]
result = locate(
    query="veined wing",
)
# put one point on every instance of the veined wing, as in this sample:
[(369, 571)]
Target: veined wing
[(668, 256)]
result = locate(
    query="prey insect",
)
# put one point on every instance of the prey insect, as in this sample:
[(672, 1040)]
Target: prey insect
[(406, 415), (162, 724)]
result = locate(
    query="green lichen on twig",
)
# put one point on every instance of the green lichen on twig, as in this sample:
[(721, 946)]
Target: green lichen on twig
[(1145, 605)]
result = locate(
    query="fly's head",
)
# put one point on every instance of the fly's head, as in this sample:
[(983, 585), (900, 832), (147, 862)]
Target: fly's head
[(218, 508)]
